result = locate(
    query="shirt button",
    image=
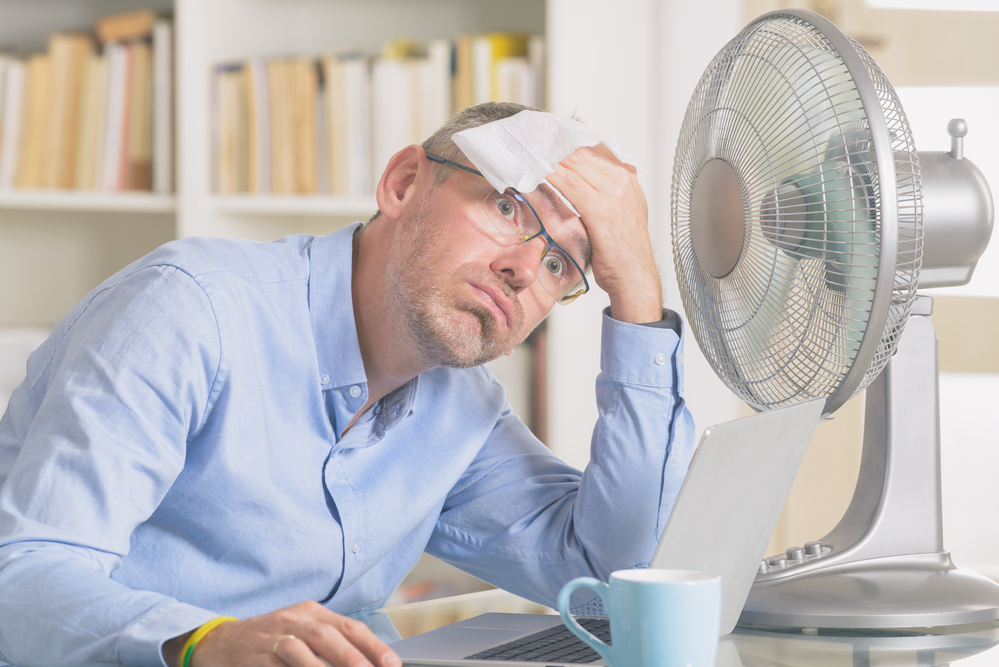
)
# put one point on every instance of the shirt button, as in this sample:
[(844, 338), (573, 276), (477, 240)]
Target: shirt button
[(355, 391), (660, 359), (355, 547), (325, 378)]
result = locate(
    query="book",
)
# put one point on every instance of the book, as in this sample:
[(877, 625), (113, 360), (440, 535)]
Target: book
[(436, 102), (487, 49), (163, 106), (335, 101), (68, 53), (515, 81), (36, 114), (138, 152), (231, 140), (257, 127), (11, 137), (322, 128), (115, 134), (280, 92), (392, 98), (91, 129), (3, 90), (348, 112), (462, 81), (303, 131), (126, 26), (360, 180), (536, 57)]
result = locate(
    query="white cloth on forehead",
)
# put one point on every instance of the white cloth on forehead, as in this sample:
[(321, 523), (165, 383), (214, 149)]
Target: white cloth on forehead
[(521, 150)]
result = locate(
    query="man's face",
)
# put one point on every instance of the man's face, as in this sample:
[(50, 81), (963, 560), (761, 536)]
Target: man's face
[(466, 297)]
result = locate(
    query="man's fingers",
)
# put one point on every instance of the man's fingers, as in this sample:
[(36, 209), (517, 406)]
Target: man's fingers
[(578, 173), (606, 152), (361, 636), (294, 652), (335, 648), (591, 177), (349, 643)]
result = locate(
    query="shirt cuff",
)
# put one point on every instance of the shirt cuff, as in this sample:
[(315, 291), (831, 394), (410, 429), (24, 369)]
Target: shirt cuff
[(141, 643), (670, 320), (643, 354)]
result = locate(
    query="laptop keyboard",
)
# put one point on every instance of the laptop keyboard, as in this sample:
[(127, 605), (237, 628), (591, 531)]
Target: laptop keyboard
[(552, 645)]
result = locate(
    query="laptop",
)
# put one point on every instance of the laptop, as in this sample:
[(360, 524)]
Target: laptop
[(724, 516)]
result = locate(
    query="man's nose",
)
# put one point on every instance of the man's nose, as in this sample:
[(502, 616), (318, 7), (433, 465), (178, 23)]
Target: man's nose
[(518, 264)]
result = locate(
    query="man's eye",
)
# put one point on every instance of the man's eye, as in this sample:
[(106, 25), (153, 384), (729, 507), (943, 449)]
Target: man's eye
[(506, 209), (554, 265)]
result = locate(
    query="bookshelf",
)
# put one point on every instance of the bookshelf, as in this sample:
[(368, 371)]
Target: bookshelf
[(110, 230), (69, 200), (355, 208), (224, 31)]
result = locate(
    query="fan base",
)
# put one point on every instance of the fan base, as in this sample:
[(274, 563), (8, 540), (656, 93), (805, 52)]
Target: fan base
[(913, 591)]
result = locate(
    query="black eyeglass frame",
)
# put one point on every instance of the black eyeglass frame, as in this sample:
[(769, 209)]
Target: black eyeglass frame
[(567, 299)]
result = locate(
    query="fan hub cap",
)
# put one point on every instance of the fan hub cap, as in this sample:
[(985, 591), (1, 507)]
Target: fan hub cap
[(717, 218)]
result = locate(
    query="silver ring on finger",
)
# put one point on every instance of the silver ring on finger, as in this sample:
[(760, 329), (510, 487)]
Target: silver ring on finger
[(279, 640)]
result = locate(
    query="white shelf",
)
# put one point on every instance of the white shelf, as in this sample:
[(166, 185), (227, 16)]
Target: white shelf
[(359, 207), (70, 200)]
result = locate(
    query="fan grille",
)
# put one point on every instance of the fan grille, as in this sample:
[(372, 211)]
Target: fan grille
[(782, 109)]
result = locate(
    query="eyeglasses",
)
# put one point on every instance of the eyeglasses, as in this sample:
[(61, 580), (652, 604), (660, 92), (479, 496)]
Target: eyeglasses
[(515, 220)]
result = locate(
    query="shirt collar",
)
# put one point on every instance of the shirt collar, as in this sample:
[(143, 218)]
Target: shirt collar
[(331, 307)]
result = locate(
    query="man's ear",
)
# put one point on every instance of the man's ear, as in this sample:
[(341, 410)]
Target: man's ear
[(401, 179)]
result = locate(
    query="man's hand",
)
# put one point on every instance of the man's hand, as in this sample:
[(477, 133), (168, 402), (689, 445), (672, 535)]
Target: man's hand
[(306, 630), (612, 206)]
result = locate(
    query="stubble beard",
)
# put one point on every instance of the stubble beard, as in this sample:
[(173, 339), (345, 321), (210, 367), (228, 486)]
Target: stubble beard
[(436, 322)]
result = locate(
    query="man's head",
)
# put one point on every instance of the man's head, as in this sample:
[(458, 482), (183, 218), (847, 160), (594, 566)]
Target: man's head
[(465, 294), (441, 143)]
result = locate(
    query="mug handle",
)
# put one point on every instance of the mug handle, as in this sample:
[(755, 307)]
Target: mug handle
[(597, 587)]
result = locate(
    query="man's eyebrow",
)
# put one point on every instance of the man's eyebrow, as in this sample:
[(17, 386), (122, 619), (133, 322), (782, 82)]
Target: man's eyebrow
[(578, 238)]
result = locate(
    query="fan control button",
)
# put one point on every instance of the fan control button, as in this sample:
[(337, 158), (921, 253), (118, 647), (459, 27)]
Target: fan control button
[(795, 554), (777, 561), (763, 567), (813, 548)]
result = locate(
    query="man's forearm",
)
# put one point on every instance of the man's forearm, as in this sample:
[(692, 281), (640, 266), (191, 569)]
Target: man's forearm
[(173, 647), (641, 303)]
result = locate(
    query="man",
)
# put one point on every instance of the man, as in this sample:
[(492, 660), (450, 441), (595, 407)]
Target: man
[(226, 429)]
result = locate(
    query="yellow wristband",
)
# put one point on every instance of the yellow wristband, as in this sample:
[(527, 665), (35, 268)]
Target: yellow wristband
[(198, 635)]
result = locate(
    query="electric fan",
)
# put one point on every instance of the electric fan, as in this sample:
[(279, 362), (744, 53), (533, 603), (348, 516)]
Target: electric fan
[(803, 221)]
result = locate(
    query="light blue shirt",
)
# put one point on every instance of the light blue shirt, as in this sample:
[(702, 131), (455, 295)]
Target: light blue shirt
[(177, 453)]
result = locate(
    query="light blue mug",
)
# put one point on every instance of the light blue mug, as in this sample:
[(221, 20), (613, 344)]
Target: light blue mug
[(658, 617)]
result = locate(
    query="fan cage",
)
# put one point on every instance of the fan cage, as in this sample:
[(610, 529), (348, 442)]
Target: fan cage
[(780, 106), (910, 215)]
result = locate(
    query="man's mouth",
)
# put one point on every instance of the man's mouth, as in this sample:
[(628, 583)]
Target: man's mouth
[(501, 307)]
